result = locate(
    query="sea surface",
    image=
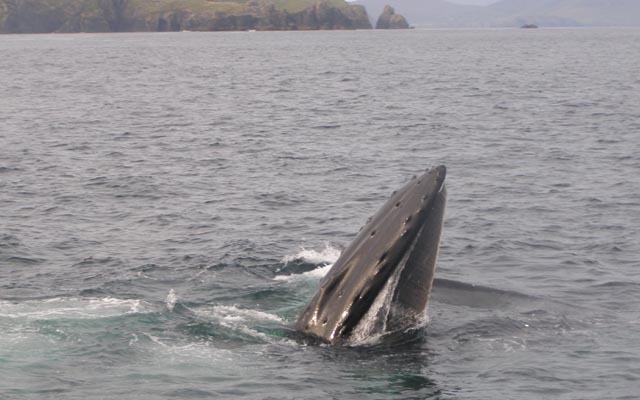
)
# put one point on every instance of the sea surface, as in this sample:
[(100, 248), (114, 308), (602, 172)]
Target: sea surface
[(169, 202)]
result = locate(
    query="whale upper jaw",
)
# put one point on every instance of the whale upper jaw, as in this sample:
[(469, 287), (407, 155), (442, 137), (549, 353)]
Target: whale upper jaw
[(381, 281)]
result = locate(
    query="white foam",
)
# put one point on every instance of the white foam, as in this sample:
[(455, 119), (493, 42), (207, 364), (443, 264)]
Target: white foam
[(170, 352), (507, 345), (70, 307), (241, 320), (235, 314)]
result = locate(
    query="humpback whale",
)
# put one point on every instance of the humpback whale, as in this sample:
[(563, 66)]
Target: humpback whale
[(380, 284)]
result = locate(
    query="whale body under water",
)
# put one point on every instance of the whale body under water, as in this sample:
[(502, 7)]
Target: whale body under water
[(381, 282)]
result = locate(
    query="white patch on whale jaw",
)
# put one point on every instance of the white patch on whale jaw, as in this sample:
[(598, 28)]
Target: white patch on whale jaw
[(386, 316), (373, 324)]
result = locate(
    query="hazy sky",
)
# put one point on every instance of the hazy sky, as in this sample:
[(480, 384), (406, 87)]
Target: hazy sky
[(476, 2)]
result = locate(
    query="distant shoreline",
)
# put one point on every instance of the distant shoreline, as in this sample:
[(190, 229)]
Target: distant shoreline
[(420, 28), (111, 16)]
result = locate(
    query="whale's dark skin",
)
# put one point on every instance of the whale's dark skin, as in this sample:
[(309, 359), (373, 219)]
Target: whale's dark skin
[(398, 244)]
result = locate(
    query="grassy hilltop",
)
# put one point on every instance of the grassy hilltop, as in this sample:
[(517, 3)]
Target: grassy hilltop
[(209, 6), (41, 16)]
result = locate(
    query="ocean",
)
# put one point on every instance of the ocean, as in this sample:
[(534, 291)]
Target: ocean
[(169, 202)]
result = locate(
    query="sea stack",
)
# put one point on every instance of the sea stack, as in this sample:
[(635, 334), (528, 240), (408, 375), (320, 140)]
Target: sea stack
[(390, 20)]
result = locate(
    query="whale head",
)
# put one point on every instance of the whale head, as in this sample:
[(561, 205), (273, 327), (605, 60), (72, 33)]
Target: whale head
[(381, 281)]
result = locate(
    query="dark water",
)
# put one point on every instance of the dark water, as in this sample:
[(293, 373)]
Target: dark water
[(168, 202)]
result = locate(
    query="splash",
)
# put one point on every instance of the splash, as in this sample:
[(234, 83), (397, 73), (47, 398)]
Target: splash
[(325, 258), (328, 255), (171, 299)]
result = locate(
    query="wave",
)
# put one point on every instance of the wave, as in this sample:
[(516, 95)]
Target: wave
[(70, 308)]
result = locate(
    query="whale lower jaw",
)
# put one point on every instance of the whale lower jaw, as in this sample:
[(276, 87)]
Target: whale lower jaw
[(386, 316)]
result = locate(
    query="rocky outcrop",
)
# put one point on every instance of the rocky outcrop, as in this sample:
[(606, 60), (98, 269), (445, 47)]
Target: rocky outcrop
[(324, 16), (390, 20), (30, 16), (45, 16), (42, 16)]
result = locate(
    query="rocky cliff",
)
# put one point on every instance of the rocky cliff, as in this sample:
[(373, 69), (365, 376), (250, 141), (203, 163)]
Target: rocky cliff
[(390, 20), (43, 16)]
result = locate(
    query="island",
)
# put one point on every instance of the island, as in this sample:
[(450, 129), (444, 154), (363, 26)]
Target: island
[(66, 16), (390, 20)]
